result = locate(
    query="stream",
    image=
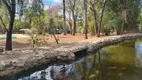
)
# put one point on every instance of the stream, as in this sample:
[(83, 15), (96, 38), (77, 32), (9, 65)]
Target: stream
[(116, 62)]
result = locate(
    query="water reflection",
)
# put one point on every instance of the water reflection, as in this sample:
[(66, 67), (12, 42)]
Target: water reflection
[(119, 62), (138, 47)]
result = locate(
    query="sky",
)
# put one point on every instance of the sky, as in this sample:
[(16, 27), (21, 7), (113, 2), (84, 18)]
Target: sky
[(50, 3), (58, 1)]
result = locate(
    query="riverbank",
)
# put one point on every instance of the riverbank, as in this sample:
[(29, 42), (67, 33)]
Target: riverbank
[(21, 60)]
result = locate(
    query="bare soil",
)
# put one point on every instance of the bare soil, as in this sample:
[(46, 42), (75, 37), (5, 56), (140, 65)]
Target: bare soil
[(22, 43)]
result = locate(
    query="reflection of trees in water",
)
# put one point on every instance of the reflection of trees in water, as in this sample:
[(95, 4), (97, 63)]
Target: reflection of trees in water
[(63, 73), (81, 70), (84, 63), (138, 47), (121, 54), (89, 68), (97, 66)]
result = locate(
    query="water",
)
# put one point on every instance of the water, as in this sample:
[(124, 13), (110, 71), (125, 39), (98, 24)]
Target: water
[(117, 62)]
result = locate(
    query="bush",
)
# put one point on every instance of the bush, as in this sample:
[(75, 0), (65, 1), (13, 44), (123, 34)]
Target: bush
[(91, 27), (107, 30)]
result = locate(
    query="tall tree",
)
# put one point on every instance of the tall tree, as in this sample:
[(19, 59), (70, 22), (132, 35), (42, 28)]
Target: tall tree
[(11, 7), (85, 19), (101, 17), (69, 20), (71, 6), (92, 4), (97, 7), (64, 13)]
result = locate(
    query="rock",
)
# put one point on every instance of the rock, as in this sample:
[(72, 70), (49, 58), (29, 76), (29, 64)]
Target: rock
[(2, 65), (1, 50)]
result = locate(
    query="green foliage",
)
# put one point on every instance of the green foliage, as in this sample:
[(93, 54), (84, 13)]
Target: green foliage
[(80, 29), (106, 30), (126, 11), (17, 26), (119, 16), (38, 23), (140, 22), (1, 3), (91, 27), (111, 23), (4, 16)]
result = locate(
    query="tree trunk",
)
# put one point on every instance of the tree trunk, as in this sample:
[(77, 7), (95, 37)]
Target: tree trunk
[(95, 23), (8, 41), (64, 23), (52, 30), (85, 20), (101, 18), (70, 24), (9, 32), (74, 23), (11, 23)]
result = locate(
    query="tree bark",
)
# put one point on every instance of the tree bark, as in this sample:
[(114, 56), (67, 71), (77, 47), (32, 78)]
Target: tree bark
[(85, 20), (9, 33), (3, 24), (101, 18), (74, 23), (95, 23), (70, 24), (64, 23), (52, 30), (11, 8)]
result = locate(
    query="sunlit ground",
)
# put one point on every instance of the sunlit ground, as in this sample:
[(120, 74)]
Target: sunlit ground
[(25, 42)]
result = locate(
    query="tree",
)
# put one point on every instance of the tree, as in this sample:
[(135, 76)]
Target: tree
[(92, 4), (127, 11), (95, 6), (85, 19), (69, 20), (72, 14), (64, 14), (71, 6), (101, 17), (52, 29), (11, 7), (4, 18)]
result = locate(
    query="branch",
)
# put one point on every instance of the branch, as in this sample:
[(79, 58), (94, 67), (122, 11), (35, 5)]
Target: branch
[(92, 9), (7, 5), (91, 5), (71, 4), (68, 20), (3, 24)]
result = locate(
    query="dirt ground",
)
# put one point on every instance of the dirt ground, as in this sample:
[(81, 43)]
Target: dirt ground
[(68, 38), (22, 43)]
